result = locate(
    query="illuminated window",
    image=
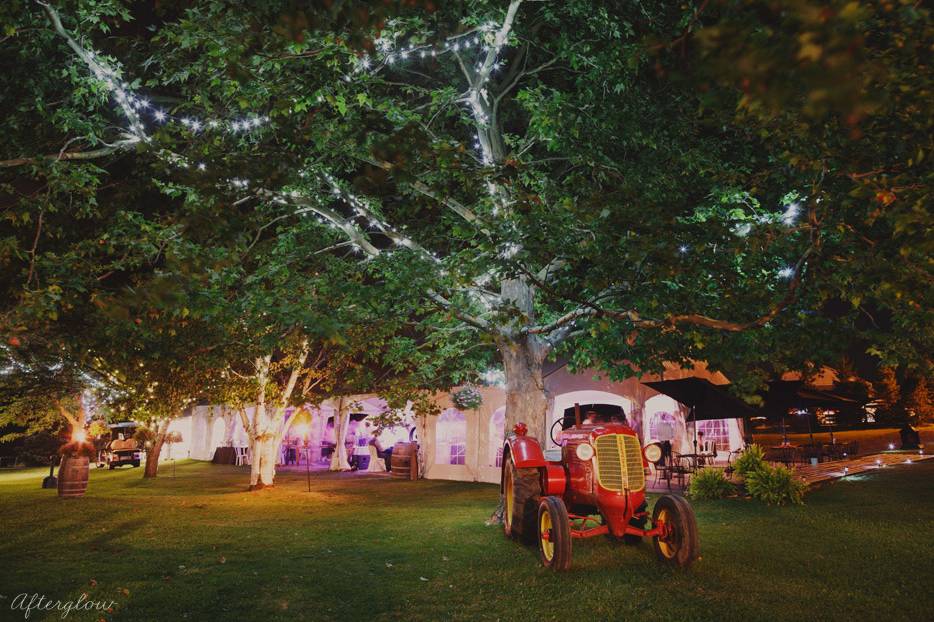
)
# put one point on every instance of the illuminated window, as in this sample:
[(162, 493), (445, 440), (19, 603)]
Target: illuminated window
[(497, 435), (451, 437), (659, 418), (716, 431)]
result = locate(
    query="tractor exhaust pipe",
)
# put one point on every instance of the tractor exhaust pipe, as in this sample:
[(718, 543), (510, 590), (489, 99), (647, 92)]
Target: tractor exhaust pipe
[(577, 415)]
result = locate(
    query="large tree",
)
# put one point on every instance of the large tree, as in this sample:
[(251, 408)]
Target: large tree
[(624, 182)]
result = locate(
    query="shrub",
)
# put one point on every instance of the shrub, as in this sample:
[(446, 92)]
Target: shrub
[(775, 485), (710, 484), (752, 459)]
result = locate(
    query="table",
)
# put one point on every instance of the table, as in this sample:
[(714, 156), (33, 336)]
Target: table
[(225, 455)]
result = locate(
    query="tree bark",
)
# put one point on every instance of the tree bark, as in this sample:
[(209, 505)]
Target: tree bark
[(152, 455), (265, 450), (341, 421), (526, 400), (262, 436)]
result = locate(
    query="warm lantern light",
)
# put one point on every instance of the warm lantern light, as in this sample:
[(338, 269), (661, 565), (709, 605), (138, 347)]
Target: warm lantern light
[(79, 436), (891, 446)]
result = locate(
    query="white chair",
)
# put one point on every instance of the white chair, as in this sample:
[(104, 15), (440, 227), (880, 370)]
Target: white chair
[(376, 463), (242, 456)]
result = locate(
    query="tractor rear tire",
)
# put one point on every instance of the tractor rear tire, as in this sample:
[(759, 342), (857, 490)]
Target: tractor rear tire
[(554, 534), (521, 491), (681, 547)]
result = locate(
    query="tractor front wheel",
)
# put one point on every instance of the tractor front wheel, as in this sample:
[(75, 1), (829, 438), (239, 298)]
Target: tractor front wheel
[(679, 545), (554, 534), (521, 492)]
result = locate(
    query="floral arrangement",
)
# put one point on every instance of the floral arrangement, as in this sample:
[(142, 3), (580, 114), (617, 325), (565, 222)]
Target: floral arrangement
[(467, 398)]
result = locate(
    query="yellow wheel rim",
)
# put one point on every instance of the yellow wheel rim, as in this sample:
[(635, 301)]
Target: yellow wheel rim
[(548, 547), (509, 499), (666, 549)]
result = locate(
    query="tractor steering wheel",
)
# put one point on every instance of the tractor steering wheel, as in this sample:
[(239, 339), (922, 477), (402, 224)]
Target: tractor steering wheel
[(551, 432)]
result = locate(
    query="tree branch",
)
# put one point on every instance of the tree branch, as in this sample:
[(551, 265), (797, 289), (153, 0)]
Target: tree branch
[(122, 145), (102, 72), (455, 206), (669, 323)]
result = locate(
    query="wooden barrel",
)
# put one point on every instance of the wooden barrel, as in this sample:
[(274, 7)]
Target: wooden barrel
[(405, 460), (73, 476)]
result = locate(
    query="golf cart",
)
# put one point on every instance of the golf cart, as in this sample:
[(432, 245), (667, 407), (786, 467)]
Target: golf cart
[(122, 448)]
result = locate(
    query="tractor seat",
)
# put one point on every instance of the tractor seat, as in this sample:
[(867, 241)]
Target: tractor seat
[(553, 454)]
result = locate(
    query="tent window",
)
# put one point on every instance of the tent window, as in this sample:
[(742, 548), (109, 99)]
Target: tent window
[(716, 431), (497, 435), (657, 420), (451, 436)]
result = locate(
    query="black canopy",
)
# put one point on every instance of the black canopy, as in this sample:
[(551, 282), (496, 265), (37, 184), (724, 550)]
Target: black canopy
[(705, 399)]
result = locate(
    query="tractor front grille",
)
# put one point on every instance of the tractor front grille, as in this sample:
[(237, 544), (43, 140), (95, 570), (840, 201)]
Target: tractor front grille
[(619, 462)]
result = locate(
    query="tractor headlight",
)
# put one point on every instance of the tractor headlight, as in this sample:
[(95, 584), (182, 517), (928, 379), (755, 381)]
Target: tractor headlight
[(653, 452), (585, 451)]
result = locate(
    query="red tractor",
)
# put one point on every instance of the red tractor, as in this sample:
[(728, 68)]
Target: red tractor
[(595, 487)]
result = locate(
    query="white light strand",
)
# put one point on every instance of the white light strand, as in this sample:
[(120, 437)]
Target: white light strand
[(791, 213), (135, 106), (484, 40), (481, 40)]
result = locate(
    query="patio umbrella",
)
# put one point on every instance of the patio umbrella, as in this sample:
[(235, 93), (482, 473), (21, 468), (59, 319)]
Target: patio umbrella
[(705, 399)]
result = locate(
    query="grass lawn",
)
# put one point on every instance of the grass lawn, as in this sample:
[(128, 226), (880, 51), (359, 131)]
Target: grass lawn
[(198, 547)]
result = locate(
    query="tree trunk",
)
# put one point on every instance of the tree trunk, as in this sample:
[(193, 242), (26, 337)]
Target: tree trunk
[(526, 400), (265, 448), (265, 451), (152, 456), (341, 421)]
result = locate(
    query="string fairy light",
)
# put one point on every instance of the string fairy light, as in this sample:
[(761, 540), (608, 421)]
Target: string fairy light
[(486, 42), (791, 213)]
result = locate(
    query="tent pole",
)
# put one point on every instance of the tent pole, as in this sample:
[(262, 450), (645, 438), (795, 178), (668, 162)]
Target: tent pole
[(694, 418)]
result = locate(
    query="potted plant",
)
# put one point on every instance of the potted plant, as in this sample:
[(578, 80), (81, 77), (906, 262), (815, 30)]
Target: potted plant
[(468, 398)]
